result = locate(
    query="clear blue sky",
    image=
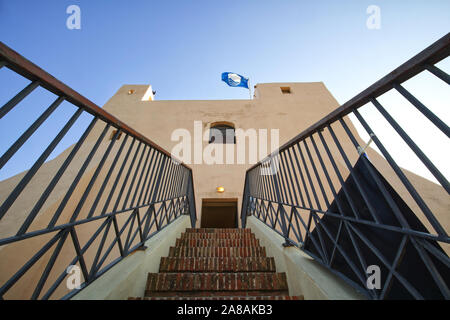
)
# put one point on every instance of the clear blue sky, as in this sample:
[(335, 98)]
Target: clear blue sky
[(181, 47)]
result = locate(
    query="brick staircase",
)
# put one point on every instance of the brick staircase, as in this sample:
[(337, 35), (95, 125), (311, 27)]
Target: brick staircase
[(217, 264)]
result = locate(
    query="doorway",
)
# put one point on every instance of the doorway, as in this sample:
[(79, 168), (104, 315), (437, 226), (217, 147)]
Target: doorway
[(219, 213)]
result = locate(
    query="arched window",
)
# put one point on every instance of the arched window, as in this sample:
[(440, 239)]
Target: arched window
[(221, 132)]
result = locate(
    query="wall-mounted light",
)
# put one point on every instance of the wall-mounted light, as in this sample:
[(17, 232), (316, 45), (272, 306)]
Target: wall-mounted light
[(131, 91), (220, 189)]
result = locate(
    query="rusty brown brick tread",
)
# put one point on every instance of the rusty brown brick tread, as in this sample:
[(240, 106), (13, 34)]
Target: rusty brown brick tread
[(192, 284), (221, 235), (217, 243), (217, 252), (217, 264), (213, 230)]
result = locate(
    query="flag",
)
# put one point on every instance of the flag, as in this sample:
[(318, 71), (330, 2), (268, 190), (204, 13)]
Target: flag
[(235, 80)]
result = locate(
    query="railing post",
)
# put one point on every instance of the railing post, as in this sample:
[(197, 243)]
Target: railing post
[(245, 198), (191, 200), (287, 242)]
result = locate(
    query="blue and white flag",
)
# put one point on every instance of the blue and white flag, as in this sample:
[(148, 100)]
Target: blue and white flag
[(235, 80)]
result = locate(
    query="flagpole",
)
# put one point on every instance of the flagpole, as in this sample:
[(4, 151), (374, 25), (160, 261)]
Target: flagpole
[(249, 88)]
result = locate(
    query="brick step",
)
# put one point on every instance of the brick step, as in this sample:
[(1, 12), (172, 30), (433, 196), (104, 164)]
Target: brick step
[(223, 298), (219, 284), (217, 252), (251, 264), (217, 242), (221, 235), (217, 230)]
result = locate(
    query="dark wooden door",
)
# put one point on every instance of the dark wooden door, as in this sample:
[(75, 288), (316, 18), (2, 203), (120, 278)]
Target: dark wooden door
[(219, 213)]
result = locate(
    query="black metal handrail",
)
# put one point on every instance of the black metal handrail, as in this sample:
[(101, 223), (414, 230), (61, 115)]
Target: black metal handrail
[(134, 191), (301, 193)]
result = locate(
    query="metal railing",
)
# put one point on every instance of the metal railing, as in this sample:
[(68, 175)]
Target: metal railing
[(126, 190), (301, 192)]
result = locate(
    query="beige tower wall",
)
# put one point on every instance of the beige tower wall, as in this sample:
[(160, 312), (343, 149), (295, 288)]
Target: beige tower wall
[(307, 103), (271, 109)]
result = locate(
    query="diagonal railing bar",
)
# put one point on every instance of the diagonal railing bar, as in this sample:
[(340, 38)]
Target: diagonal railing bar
[(345, 254), (49, 266), (138, 216), (138, 185), (355, 177), (289, 179), (168, 183), (8, 284), (147, 226), (113, 243), (79, 257), (431, 267), (94, 176), (302, 178), (428, 263), (119, 175), (108, 176), (297, 231), (39, 162), (395, 265), (435, 252), (29, 132), (38, 206), (133, 180), (18, 98), (408, 185), (342, 222), (326, 165), (438, 73), (422, 108), (97, 182), (420, 154), (162, 183), (317, 227), (308, 176), (124, 185), (58, 281), (383, 259), (117, 239), (162, 212), (340, 178), (130, 230), (280, 183), (335, 243), (159, 215), (153, 175), (169, 210), (296, 179), (324, 195), (77, 179), (377, 180), (147, 178), (100, 248), (137, 231)]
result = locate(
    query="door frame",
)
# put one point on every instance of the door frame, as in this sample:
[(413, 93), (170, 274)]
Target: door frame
[(221, 202)]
